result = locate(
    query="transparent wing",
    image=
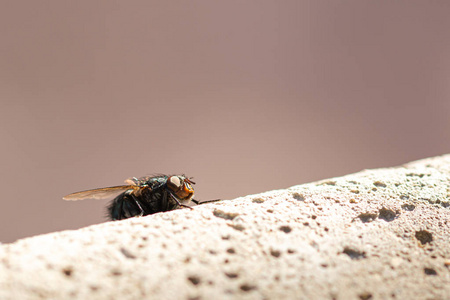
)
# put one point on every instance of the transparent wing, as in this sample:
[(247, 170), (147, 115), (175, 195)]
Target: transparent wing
[(101, 193), (140, 181), (132, 181)]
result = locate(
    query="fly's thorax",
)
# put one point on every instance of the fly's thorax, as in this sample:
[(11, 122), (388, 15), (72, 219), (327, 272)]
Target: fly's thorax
[(181, 187)]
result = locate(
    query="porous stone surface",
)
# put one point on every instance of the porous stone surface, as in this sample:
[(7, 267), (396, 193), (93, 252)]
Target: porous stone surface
[(377, 234)]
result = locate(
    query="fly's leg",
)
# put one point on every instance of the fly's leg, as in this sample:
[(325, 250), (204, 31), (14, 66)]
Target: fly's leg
[(164, 202), (204, 202), (178, 202), (141, 213)]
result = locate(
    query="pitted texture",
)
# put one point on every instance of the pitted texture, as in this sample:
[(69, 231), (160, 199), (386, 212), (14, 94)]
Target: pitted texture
[(377, 234)]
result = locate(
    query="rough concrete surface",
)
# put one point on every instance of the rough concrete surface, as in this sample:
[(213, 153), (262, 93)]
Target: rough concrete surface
[(377, 234)]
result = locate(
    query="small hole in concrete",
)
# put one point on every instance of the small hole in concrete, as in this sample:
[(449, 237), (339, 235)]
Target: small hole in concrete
[(367, 217), (414, 174), (387, 214), (270, 210), (247, 287), (313, 217), (354, 254), (355, 191), (258, 200), (285, 229), (238, 227), (329, 182), (408, 207), (231, 250), (94, 288), (127, 253), (365, 296), (275, 253), (232, 275), (194, 279), (424, 236), (225, 215), (298, 197), (291, 251), (306, 224), (68, 271), (379, 184), (430, 271)]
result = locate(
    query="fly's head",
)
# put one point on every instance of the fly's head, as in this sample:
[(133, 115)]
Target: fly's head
[(181, 187)]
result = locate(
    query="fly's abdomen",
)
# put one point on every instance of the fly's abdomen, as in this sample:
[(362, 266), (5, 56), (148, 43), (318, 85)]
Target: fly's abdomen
[(123, 207)]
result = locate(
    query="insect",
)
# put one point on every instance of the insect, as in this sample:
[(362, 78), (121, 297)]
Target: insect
[(144, 196)]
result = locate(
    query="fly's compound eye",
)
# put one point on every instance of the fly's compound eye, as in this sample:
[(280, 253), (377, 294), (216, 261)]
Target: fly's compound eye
[(182, 189), (174, 183)]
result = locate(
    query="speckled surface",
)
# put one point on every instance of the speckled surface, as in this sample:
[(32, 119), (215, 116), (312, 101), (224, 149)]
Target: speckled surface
[(377, 234)]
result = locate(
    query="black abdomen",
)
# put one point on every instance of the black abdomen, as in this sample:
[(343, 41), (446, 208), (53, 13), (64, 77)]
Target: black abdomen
[(128, 205)]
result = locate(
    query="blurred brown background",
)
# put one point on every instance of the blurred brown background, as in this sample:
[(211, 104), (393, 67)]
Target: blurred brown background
[(246, 96)]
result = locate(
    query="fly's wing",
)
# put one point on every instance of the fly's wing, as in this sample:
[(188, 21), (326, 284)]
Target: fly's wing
[(132, 181), (101, 193), (141, 181)]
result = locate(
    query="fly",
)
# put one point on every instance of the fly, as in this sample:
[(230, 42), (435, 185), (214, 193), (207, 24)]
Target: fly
[(144, 196)]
